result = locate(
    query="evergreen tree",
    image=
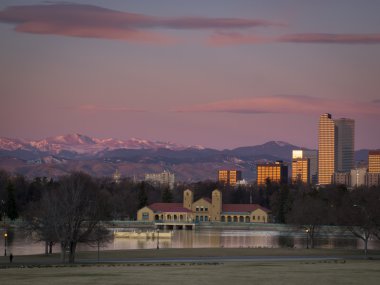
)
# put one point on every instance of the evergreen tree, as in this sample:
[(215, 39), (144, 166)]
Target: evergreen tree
[(167, 195), (11, 207), (142, 196)]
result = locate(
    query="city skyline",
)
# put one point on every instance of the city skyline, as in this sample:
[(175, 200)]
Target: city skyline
[(219, 74)]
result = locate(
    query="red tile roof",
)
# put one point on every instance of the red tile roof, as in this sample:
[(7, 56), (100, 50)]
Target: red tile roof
[(168, 207), (242, 208)]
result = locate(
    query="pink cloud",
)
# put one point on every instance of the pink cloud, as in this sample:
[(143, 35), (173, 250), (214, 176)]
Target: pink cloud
[(227, 38), (96, 108), (323, 38), (232, 38), (290, 104), (89, 21)]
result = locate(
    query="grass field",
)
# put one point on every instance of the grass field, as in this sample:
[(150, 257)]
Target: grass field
[(341, 271)]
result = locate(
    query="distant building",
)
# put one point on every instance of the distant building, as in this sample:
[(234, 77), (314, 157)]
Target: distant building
[(203, 210), (374, 161), (229, 177), (345, 144), (358, 177), (275, 172), (116, 176), (372, 179), (342, 178), (326, 149), (335, 147), (299, 168), (164, 178)]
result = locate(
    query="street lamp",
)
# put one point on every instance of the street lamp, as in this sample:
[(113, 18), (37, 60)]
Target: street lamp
[(5, 243), (307, 238), (158, 238)]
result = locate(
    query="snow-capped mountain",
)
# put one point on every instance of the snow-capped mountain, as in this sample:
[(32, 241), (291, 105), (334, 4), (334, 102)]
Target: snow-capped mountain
[(82, 144)]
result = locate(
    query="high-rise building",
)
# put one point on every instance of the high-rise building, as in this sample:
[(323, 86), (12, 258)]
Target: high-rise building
[(275, 172), (300, 170), (164, 178), (312, 174), (342, 178), (358, 177), (345, 144), (374, 161), (326, 149), (229, 177), (335, 147)]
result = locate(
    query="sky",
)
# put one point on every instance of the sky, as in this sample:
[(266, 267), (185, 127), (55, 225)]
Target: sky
[(216, 73)]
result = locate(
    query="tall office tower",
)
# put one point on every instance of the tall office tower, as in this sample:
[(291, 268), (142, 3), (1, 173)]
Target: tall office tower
[(230, 177), (336, 147), (327, 144), (312, 157), (345, 144), (275, 172), (300, 170), (374, 161)]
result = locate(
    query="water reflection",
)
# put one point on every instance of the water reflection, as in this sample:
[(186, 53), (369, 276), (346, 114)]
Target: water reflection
[(19, 243)]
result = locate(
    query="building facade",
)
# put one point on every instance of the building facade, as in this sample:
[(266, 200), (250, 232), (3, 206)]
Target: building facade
[(374, 161), (203, 210), (326, 149), (164, 178), (312, 156), (229, 177), (336, 140), (358, 177), (342, 178), (372, 179), (275, 172), (345, 151), (301, 170)]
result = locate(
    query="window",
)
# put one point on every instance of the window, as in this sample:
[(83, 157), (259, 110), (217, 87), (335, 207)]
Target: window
[(206, 219), (206, 209), (202, 209), (197, 209), (145, 216), (253, 218)]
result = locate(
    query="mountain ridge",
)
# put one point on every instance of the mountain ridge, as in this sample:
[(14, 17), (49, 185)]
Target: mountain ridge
[(55, 156)]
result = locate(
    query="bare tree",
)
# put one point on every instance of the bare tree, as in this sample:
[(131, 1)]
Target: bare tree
[(360, 214), (99, 237), (70, 213), (310, 213)]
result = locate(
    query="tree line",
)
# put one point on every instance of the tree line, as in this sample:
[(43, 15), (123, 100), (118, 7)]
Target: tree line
[(72, 209)]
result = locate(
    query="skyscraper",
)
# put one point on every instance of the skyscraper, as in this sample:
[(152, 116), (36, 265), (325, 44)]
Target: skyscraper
[(275, 172), (299, 167), (327, 144), (374, 161), (345, 144), (335, 147), (229, 177)]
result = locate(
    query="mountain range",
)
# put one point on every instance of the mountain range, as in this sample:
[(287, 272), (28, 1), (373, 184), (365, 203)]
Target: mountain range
[(55, 156)]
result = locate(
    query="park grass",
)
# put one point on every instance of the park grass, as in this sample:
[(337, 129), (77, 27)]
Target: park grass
[(290, 272), (135, 254)]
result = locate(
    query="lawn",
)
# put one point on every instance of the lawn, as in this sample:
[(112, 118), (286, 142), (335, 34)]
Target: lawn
[(292, 272), (350, 267)]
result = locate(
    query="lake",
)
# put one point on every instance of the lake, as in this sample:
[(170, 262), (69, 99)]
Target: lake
[(20, 244)]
